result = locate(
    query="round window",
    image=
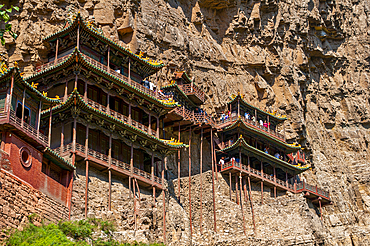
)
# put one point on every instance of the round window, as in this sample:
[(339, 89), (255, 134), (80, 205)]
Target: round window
[(25, 156)]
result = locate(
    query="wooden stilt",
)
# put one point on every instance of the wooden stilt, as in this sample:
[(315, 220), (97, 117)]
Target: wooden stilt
[(86, 186), (261, 183), (250, 199), (164, 204), (134, 191), (274, 181), (201, 180), (50, 120), (245, 190), (23, 102), (230, 186), (191, 223), (110, 173), (215, 160), (236, 190), (179, 168), (241, 202), (320, 208), (213, 185), (56, 51), (131, 168), (70, 187)]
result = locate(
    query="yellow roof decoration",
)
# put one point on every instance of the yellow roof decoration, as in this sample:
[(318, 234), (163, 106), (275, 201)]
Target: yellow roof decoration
[(173, 142)]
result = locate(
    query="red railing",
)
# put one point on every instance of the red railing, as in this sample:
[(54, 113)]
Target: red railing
[(197, 118), (191, 89), (50, 64), (254, 124), (300, 187), (25, 127), (104, 158), (121, 117)]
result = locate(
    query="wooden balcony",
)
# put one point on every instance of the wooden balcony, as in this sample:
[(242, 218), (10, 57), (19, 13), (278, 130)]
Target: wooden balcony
[(22, 127), (121, 117), (254, 124), (311, 192), (116, 165), (196, 118), (193, 92)]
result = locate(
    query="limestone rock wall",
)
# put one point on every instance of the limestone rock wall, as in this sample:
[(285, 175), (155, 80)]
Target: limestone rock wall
[(308, 59), (19, 200)]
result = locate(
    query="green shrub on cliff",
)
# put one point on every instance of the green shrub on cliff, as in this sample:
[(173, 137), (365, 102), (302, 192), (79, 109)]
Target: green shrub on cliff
[(69, 233)]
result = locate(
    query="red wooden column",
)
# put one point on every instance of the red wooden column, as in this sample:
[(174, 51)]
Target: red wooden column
[(86, 186), (135, 212), (238, 107), (157, 127), (150, 125), (249, 165), (286, 179), (213, 185), (87, 140), (110, 173), (23, 102), (129, 71), (250, 199), (191, 223), (164, 201), (236, 190), (39, 119), (50, 118), (255, 115), (85, 91), (241, 201), (62, 139), (129, 113), (320, 208), (262, 183), (178, 167), (274, 182), (108, 63), (78, 36), (131, 167), (230, 188), (152, 175), (66, 91), (56, 52), (201, 179), (268, 123)]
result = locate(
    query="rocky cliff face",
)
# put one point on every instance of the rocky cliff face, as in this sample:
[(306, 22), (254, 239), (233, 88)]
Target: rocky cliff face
[(308, 59)]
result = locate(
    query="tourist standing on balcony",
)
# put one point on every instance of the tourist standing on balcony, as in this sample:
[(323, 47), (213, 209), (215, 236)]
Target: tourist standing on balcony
[(277, 155), (265, 124), (266, 150), (220, 163), (222, 117), (261, 123)]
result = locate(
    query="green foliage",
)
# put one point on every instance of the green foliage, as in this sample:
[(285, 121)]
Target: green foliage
[(68, 233), (4, 16)]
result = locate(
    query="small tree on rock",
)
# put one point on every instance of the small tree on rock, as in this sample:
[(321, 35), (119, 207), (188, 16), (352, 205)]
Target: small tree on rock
[(4, 17)]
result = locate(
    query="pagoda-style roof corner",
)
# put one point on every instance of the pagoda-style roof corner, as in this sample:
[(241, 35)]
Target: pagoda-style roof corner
[(234, 98), (31, 88), (240, 143), (183, 75), (57, 159), (90, 28)]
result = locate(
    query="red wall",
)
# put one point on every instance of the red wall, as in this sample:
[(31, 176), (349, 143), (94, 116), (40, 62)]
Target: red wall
[(33, 174)]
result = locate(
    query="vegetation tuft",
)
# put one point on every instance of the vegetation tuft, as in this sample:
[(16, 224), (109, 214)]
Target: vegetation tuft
[(68, 233)]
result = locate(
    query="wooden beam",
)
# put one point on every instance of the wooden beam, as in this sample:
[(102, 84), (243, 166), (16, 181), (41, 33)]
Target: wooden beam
[(191, 224), (241, 202), (201, 180), (179, 167), (213, 186), (86, 186)]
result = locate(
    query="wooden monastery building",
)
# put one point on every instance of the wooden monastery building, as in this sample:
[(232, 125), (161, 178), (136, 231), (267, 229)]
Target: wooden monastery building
[(91, 103)]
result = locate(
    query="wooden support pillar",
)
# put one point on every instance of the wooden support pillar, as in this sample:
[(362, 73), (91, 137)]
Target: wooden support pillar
[(108, 62), (320, 208), (157, 127), (50, 118), (213, 185), (108, 103), (65, 91), (86, 186), (179, 167), (70, 187), (129, 113), (87, 140), (56, 52), (230, 186), (274, 181), (39, 119), (150, 124), (255, 117), (164, 202), (215, 160), (154, 200), (129, 71), (110, 173), (131, 166), (250, 199), (262, 183), (201, 179), (78, 36), (191, 223), (286, 179), (284, 130), (74, 134), (62, 139), (85, 91), (135, 212), (236, 190), (241, 202), (249, 165), (245, 190), (268, 123), (23, 102)]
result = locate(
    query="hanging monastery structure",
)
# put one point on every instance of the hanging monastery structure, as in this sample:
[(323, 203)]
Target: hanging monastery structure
[(91, 106)]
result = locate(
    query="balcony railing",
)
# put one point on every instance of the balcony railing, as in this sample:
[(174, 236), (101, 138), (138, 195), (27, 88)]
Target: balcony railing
[(300, 187), (25, 127), (191, 89), (147, 177), (106, 69), (253, 124), (197, 118), (121, 117)]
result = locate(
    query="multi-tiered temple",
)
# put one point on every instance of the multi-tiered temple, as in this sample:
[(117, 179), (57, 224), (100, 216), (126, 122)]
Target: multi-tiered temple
[(92, 106)]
